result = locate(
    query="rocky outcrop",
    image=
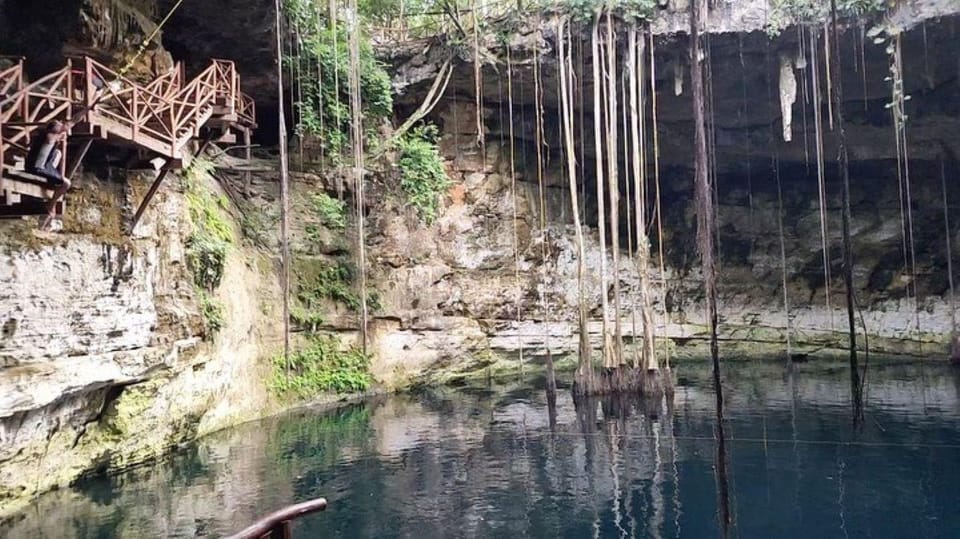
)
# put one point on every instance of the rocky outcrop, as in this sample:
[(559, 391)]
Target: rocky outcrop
[(105, 357)]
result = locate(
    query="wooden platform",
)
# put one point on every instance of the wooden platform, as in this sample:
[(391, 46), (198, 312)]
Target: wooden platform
[(25, 194), (161, 117)]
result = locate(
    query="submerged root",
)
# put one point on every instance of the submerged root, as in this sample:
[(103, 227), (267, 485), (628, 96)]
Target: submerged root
[(620, 407), (653, 383)]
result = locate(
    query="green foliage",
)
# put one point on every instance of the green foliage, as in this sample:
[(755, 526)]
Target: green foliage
[(212, 311), (307, 319), (332, 212), (886, 33), (330, 283), (322, 72), (254, 224), (320, 367), (586, 10), (422, 176), (327, 283), (209, 240), (786, 12), (211, 234)]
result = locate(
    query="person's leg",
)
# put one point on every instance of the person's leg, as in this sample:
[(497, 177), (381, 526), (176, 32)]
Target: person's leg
[(61, 186)]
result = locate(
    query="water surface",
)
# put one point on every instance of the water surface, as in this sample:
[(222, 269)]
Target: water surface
[(486, 462)]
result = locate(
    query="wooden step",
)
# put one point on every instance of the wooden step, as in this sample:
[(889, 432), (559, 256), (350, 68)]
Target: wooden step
[(16, 183), (112, 127)]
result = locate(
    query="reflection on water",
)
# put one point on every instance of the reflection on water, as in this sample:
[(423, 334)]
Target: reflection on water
[(494, 462)]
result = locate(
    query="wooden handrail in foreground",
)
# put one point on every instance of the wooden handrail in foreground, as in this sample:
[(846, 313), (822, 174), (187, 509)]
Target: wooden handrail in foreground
[(276, 525)]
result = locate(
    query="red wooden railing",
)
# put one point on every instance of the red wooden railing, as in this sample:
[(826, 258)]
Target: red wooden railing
[(34, 105), (11, 78), (162, 115)]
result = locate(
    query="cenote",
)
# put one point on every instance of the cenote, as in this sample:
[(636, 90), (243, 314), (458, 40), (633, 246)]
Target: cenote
[(262, 253), (487, 461)]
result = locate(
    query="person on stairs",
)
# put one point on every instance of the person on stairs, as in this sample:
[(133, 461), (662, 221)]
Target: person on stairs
[(43, 159)]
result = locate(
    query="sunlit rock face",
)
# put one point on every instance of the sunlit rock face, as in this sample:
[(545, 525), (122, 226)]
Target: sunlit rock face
[(105, 359)]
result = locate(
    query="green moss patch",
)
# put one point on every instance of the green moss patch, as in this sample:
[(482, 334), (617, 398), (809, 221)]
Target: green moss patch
[(322, 366)]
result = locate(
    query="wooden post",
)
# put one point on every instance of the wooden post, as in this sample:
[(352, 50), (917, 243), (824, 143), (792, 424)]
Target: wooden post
[(76, 163), (248, 155), (149, 197)]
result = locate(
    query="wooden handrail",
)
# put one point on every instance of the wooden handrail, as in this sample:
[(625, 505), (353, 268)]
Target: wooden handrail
[(168, 110), (277, 524)]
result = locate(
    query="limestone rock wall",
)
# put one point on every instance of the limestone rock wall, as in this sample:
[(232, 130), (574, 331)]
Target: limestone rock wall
[(453, 290), (104, 356)]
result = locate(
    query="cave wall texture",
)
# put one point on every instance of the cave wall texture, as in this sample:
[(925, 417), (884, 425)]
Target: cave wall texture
[(103, 360)]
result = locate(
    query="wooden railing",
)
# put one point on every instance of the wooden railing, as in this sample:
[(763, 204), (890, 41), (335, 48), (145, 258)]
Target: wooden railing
[(247, 110), (11, 78), (162, 115), (277, 525), (165, 111), (34, 105)]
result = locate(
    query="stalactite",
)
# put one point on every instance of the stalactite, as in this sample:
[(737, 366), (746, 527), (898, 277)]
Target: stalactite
[(598, 60), (788, 95), (584, 379), (821, 180), (678, 77)]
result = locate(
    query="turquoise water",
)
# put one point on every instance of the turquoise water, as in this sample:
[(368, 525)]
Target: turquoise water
[(485, 462)]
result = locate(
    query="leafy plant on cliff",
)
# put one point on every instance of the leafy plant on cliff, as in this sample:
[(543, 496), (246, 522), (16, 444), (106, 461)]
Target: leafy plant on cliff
[(783, 13), (212, 311), (322, 366), (585, 10), (320, 67), (422, 175), (325, 283), (209, 240), (332, 212)]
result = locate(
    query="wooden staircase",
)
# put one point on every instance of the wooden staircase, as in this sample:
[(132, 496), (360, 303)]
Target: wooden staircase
[(97, 103)]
